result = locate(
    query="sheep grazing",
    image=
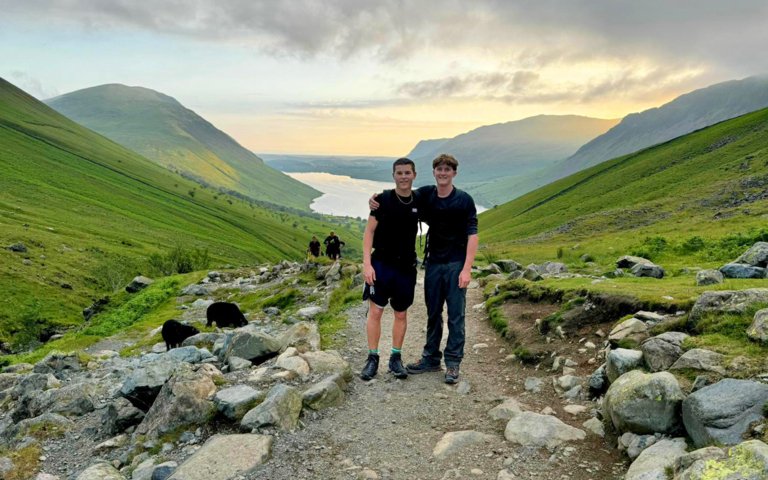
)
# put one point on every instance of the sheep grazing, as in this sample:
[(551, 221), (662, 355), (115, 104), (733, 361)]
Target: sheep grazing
[(225, 315), (175, 332)]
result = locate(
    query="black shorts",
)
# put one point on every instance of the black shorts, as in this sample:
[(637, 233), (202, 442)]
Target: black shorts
[(393, 284)]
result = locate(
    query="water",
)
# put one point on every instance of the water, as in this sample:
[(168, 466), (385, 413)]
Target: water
[(342, 195)]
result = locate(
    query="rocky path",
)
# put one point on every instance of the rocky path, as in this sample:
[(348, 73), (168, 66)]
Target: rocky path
[(389, 428)]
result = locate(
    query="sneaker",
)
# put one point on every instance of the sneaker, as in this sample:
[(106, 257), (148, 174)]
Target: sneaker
[(371, 367), (396, 366), (422, 366), (452, 374)]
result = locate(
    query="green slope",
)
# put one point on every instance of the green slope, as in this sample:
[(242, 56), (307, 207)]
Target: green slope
[(161, 129), (710, 184), (85, 207)]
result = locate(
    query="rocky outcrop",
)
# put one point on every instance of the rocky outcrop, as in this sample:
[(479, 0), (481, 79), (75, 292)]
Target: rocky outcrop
[(100, 471), (722, 413), (644, 403)]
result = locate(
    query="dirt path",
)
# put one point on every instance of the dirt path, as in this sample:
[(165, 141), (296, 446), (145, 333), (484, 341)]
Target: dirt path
[(388, 428)]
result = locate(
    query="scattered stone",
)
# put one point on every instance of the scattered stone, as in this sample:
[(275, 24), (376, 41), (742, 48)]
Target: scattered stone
[(453, 442), (632, 329), (708, 277), (17, 247), (281, 409), (700, 359), (595, 426), (629, 261), (507, 410), (643, 270), (533, 384), (138, 283), (575, 409), (100, 471), (235, 402), (536, 430), (327, 393), (662, 351)]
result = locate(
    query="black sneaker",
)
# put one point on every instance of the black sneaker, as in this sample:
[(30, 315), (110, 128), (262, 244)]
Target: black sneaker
[(371, 367), (422, 366), (452, 374), (396, 366)]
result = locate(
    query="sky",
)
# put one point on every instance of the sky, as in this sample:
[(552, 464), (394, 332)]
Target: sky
[(357, 77)]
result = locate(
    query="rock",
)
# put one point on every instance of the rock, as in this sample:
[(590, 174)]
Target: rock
[(508, 266), (50, 421), (324, 394), (620, 361), (654, 462), (73, 399), (224, 457), (328, 361), (309, 313), (533, 384), (463, 388), (758, 331), (198, 290), (727, 301), (100, 471), (721, 413), (554, 268), (164, 470), (303, 336), (575, 409), (58, 364), (595, 426), (708, 277), (17, 247), (189, 354), (491, 269), (252, 345), (661, 351), (280, 409), (142, 386), (202, 304), (748, 460), (598, 382), (567, 382), (289, 360), (742, 270), (757, 255), (644, 403), (700, 359), (452, 442), (236, 364), (536, 430), (119, 415), (629, 261), (508, 409), (235, 402), (506, 475), (138, 283), (643, 270), (634, 444), (532, 274), (184, 400), (631, 328), (707, 453)]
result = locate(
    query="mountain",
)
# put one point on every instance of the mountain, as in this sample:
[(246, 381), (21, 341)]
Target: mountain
[(703, 192), (367, 168), (511, 149), (689, 112), (87, 208), (163, 130)]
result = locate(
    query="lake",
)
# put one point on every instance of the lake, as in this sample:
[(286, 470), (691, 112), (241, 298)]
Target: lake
[(342, 195)]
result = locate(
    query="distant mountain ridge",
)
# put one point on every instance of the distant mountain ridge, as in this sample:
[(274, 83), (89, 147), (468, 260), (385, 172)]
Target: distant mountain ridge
[(160, 128), (685, 114)]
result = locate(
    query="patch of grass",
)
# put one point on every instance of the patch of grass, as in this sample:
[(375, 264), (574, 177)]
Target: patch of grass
[(525, 356), (46, 430), (334, 319), (498, 320), (26, 462), (282, 300), (675, 324), (179, 259), (628, 343)]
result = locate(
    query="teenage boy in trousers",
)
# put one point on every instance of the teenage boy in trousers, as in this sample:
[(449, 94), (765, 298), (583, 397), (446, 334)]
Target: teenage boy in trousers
[(389, 265)]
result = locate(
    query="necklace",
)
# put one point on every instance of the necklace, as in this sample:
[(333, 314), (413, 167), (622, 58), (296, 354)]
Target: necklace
[(410, 199)]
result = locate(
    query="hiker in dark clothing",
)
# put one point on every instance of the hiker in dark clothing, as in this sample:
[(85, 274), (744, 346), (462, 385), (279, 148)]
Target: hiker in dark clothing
[(333, 246), (314, 247), (389, 266), (451, 247)]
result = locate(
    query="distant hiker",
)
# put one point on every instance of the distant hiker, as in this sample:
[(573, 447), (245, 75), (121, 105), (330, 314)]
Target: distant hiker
[(449, 254), (314, 247), (333, 246), (389, 266)]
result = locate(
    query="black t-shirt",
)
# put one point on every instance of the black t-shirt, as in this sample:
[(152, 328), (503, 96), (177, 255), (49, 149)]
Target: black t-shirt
[(451, 220), (394, 240)]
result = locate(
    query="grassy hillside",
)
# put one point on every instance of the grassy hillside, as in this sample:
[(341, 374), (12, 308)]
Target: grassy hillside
[(161, 129), (694, 201), (91, 212)]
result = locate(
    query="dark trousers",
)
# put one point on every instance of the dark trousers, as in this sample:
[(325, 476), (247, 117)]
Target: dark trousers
[(441, 286)]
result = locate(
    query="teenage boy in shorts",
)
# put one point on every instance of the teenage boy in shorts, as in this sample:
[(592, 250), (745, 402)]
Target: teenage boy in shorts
[(389, 265)]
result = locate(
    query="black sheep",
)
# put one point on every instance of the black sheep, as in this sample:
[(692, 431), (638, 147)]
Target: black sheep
[(175, 332), (225, 315)]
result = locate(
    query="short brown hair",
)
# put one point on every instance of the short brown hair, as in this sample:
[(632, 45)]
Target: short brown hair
[(445, 159), (404, 161)]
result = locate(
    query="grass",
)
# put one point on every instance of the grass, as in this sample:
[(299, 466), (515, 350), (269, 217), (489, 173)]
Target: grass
[(26, 462), (106, 211), (334, 320)]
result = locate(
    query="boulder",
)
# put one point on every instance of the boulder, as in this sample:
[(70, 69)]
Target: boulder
[(629, 261), (453, 442), (708, 277), (303, 336), (554, 268), (634, 444), (46, 421), (644, 403), (748, 461), (661, 351), (700, 456), (700, 359), (742, 270), (598, 382), (656, 460), (532, 274), (17, 247), (327, 393), (205, 340), (100, 471), (508, 266), (328, 361), (620, 361), (143, 384), (727, 301), (252, 345), (508, 409), (235, 402), (309, 313), (189, 354), (74, 399), (58, 364), (535, 430), (184, 400), (757, 255), (758, 331), (646, 270), (632, 329), (138, 283), (722, 413), (223, 457), (280, 409), (119, 415)]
